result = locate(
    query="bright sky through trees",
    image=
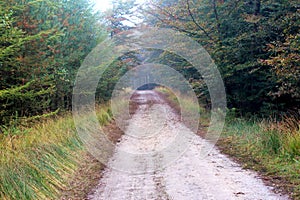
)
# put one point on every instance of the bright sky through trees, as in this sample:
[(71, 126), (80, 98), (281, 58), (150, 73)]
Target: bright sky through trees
[(104, 5)]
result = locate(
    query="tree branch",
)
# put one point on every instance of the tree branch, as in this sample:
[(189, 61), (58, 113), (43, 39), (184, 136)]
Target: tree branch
[(170, 25), (195, 22), (217, 18)]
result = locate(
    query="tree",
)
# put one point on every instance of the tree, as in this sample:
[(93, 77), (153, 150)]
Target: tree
[(43, 43), (119, 18), (240, 35)]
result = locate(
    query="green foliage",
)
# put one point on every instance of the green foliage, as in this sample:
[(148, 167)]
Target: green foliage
[(285, 61), (255, 44), (18, 101), (42, 45)]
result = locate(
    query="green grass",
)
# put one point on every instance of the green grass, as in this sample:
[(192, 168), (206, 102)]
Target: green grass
[(266, 147), (37, 162)]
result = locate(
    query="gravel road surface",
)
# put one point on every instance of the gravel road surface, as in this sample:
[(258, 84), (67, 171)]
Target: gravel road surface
[(159, 158)]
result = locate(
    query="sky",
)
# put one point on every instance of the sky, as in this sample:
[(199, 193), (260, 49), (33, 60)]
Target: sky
[(104, 5)]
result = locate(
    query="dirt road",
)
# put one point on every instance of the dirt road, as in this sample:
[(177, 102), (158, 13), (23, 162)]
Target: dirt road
[(142, 168)]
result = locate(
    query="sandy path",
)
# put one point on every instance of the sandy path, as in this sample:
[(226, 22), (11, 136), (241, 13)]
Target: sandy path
[(141, 169)]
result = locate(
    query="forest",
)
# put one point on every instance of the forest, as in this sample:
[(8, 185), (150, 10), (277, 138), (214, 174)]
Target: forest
[(255, 45)]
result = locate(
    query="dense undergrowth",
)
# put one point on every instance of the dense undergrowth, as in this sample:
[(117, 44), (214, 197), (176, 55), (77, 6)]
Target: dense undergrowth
[(272, 148), (38, 162)]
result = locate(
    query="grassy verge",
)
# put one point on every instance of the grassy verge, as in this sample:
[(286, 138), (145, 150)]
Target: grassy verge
[(41, 162), (272, 149), (267, 148)]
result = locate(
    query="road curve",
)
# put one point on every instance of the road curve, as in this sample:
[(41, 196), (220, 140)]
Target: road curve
[(145, 171)]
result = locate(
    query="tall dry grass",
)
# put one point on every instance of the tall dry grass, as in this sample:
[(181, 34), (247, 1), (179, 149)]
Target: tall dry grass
[(272, 147), (36, 162)]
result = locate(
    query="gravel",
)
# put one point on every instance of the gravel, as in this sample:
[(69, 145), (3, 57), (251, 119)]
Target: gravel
[(158, 157)]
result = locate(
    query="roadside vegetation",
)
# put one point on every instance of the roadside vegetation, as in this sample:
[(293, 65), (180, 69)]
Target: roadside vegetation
[(40, 160), (272, 148)]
